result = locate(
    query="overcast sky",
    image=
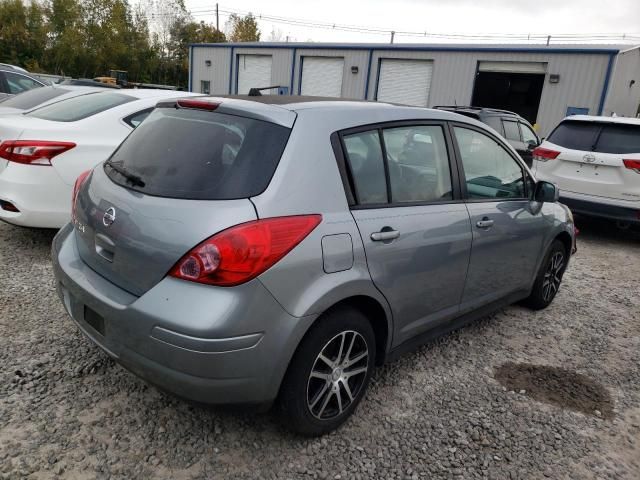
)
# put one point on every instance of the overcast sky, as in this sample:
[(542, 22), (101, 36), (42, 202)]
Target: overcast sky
[(436, 16)]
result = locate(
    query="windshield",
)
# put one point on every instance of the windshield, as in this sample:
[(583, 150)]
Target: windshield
[(202, 155), (602, 137)]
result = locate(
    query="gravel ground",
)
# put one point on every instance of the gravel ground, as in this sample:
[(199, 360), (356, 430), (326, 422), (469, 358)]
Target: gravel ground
[(67, 411)]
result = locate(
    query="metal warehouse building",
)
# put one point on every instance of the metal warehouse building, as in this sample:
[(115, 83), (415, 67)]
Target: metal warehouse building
[(542, 83)]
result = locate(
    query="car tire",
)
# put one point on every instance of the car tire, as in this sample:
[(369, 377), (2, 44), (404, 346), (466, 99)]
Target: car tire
[(329, 373), (549, 277)]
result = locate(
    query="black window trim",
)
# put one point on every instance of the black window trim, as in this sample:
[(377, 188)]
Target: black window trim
[(347, 175), (128, 118), (463, 181)]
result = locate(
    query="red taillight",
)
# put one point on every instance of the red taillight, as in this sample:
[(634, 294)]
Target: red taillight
[(632, 165), (243, 252), (76, 189), (198, 104), (33, 152), (543, 154), (8, 207)]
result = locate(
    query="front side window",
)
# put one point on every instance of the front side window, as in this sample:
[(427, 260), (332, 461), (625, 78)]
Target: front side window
[(490, 172), (511, 130), (364, 155), (528, 136), (19, 83), (418, 164)]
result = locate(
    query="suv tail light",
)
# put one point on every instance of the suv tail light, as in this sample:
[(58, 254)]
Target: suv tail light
[(76, 189), (241, 253), (33, 152), (543, 154), (632, 165)]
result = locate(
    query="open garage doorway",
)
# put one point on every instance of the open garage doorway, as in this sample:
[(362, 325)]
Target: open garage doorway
[(514, 86)]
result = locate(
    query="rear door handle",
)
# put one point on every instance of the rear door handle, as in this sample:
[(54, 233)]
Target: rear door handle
[(385, 235), (484, 223)]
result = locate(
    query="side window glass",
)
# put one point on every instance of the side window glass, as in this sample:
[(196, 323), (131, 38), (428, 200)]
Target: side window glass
[(418, 164), (18, 83), (511, 130), (137, 118), (527, 135), (364, 155), (490, 172)]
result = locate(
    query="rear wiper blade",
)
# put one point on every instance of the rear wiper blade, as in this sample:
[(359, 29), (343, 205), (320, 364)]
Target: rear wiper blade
[(135, 180)]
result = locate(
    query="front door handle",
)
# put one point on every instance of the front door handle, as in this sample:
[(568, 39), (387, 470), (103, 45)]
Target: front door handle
[(485, 223), (385, 235)]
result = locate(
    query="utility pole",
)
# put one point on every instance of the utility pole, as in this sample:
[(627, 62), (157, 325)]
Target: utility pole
[(393, 34), (217, 19)]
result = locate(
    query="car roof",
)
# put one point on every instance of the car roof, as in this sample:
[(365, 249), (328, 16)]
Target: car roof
[(596, 118), (339, 112)]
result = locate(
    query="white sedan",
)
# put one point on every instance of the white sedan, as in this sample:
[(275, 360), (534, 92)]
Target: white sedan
[(42, 152)]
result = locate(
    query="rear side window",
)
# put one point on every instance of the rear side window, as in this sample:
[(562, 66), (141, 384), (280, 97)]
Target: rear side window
[(576, 135), (33, 98), (78, 108), (617, 138), (199, 155), (364, 154)]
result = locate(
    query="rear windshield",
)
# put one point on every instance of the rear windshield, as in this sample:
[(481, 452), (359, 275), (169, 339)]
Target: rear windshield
[(198, 155), (600, 137), (78, 108), (34, 97), (576, 135), (617, 138)]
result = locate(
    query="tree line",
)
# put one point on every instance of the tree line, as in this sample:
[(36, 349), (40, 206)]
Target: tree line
[(87, 38)]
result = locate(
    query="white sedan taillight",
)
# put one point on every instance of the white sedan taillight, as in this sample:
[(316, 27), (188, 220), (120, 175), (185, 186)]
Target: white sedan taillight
[(543, 154), (33, 152)]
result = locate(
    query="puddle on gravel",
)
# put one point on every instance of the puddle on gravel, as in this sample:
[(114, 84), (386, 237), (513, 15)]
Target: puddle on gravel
[(557, 386)]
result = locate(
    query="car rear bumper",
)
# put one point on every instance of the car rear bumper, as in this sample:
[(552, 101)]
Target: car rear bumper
[(602, 207), (38, 192), (208, 344)]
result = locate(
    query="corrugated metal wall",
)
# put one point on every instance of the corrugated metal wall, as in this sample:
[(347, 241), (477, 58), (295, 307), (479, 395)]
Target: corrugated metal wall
[(624, 90), (582, 75)]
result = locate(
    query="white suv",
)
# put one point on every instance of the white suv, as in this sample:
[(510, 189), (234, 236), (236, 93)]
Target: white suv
[(595, 161)]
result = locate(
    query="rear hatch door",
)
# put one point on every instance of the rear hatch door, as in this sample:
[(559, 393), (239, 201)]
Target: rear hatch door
[(180, 177), (591, 159)]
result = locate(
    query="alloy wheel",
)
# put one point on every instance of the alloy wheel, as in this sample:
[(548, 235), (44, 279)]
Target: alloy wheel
[(553, 276), (337, 375)]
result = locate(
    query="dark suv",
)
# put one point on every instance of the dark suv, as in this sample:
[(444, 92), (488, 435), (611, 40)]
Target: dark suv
[(515, 129)]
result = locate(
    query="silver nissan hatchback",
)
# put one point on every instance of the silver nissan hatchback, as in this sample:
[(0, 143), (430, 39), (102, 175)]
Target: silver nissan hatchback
[(276, 249)]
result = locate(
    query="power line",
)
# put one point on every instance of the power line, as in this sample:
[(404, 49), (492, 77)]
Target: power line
[(567, 37)]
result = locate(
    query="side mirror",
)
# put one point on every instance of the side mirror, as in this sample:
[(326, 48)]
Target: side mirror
[(546, 192)]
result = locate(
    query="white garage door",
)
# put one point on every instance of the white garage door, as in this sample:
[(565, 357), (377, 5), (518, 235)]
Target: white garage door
[(405, 81), (254, 71), (322, 76)]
